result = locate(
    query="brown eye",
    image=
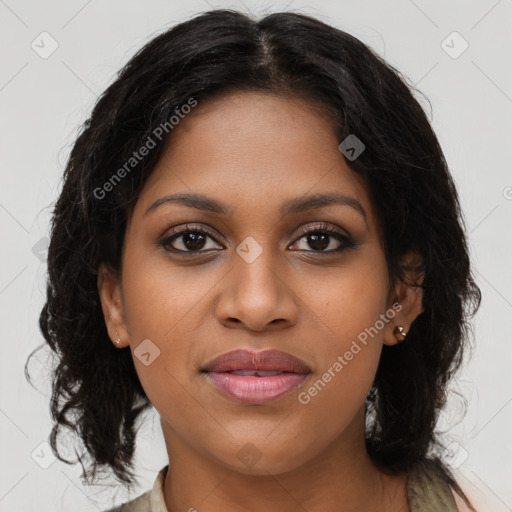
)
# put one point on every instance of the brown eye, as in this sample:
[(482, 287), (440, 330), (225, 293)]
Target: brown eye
[(188, 240), (324, 239), (318, 241)]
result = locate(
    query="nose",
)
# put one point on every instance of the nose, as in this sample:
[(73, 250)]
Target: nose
[(257, 296)]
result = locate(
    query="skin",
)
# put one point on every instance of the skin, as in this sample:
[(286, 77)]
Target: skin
[(253, 152)]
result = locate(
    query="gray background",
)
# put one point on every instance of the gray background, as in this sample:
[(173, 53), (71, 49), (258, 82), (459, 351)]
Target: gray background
[(44, 100)]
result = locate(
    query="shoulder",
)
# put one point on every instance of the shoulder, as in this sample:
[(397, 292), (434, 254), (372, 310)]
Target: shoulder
[(479, 499), (427, 489), (150, 501), (140, 504), (461, 505)]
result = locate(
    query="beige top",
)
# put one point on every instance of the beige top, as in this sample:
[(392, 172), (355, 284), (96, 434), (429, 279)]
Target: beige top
[(426, 492)]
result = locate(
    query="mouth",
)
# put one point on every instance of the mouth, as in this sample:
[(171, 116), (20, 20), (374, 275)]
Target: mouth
[(256, 377), (256, 373)]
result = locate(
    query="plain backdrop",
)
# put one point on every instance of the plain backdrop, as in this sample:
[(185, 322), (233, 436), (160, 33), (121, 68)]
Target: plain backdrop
[(457, 53)]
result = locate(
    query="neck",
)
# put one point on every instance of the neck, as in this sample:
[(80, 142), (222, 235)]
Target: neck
[(340, 477)]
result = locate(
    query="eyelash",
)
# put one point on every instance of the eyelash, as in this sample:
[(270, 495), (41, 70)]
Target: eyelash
[(346, 241)]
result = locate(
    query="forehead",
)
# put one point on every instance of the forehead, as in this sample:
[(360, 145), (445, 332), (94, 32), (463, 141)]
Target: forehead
[(253, 151)]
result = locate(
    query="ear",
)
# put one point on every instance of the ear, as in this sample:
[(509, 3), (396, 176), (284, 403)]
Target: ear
[(109, 288), (405, 299)]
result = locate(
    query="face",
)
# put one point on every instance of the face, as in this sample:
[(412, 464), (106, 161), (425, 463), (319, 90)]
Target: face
[(271, 271)]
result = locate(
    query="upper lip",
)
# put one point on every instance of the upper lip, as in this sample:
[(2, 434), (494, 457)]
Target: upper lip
[(267, 360)]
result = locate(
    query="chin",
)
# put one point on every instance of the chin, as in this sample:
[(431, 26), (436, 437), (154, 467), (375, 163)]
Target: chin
[(264, 458)]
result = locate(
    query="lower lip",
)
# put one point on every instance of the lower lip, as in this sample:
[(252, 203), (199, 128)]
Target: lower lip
[(253, 389)]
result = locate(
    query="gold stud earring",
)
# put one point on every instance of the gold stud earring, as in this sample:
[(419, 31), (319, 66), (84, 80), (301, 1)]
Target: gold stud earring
[(399, 331), (118, 338)]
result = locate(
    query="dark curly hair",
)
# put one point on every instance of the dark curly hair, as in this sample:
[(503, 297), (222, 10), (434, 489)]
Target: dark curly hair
[(96, 393)]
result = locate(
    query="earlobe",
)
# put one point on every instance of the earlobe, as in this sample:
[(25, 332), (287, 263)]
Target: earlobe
[(397, 328), (399, 333), (406, 307), (409, 296), (109, 289)]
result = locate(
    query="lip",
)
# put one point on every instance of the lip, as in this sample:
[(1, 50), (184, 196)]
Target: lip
[(266, 360), (251, 386)]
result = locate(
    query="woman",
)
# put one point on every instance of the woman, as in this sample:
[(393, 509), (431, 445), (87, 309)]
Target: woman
[(259, 236)]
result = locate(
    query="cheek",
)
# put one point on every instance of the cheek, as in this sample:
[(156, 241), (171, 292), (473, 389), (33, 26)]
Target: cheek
[(347, 325), (166, 306), (158, 295), (348, 299)]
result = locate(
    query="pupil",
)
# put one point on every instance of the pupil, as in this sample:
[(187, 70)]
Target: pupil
[(314, 239), (193, 241)]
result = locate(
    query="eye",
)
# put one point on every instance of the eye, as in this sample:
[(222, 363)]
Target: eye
[(322, 239), (190, 239), (325, 239)]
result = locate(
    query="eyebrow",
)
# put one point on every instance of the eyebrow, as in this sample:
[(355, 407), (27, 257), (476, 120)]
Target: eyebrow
[(293, 206)]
